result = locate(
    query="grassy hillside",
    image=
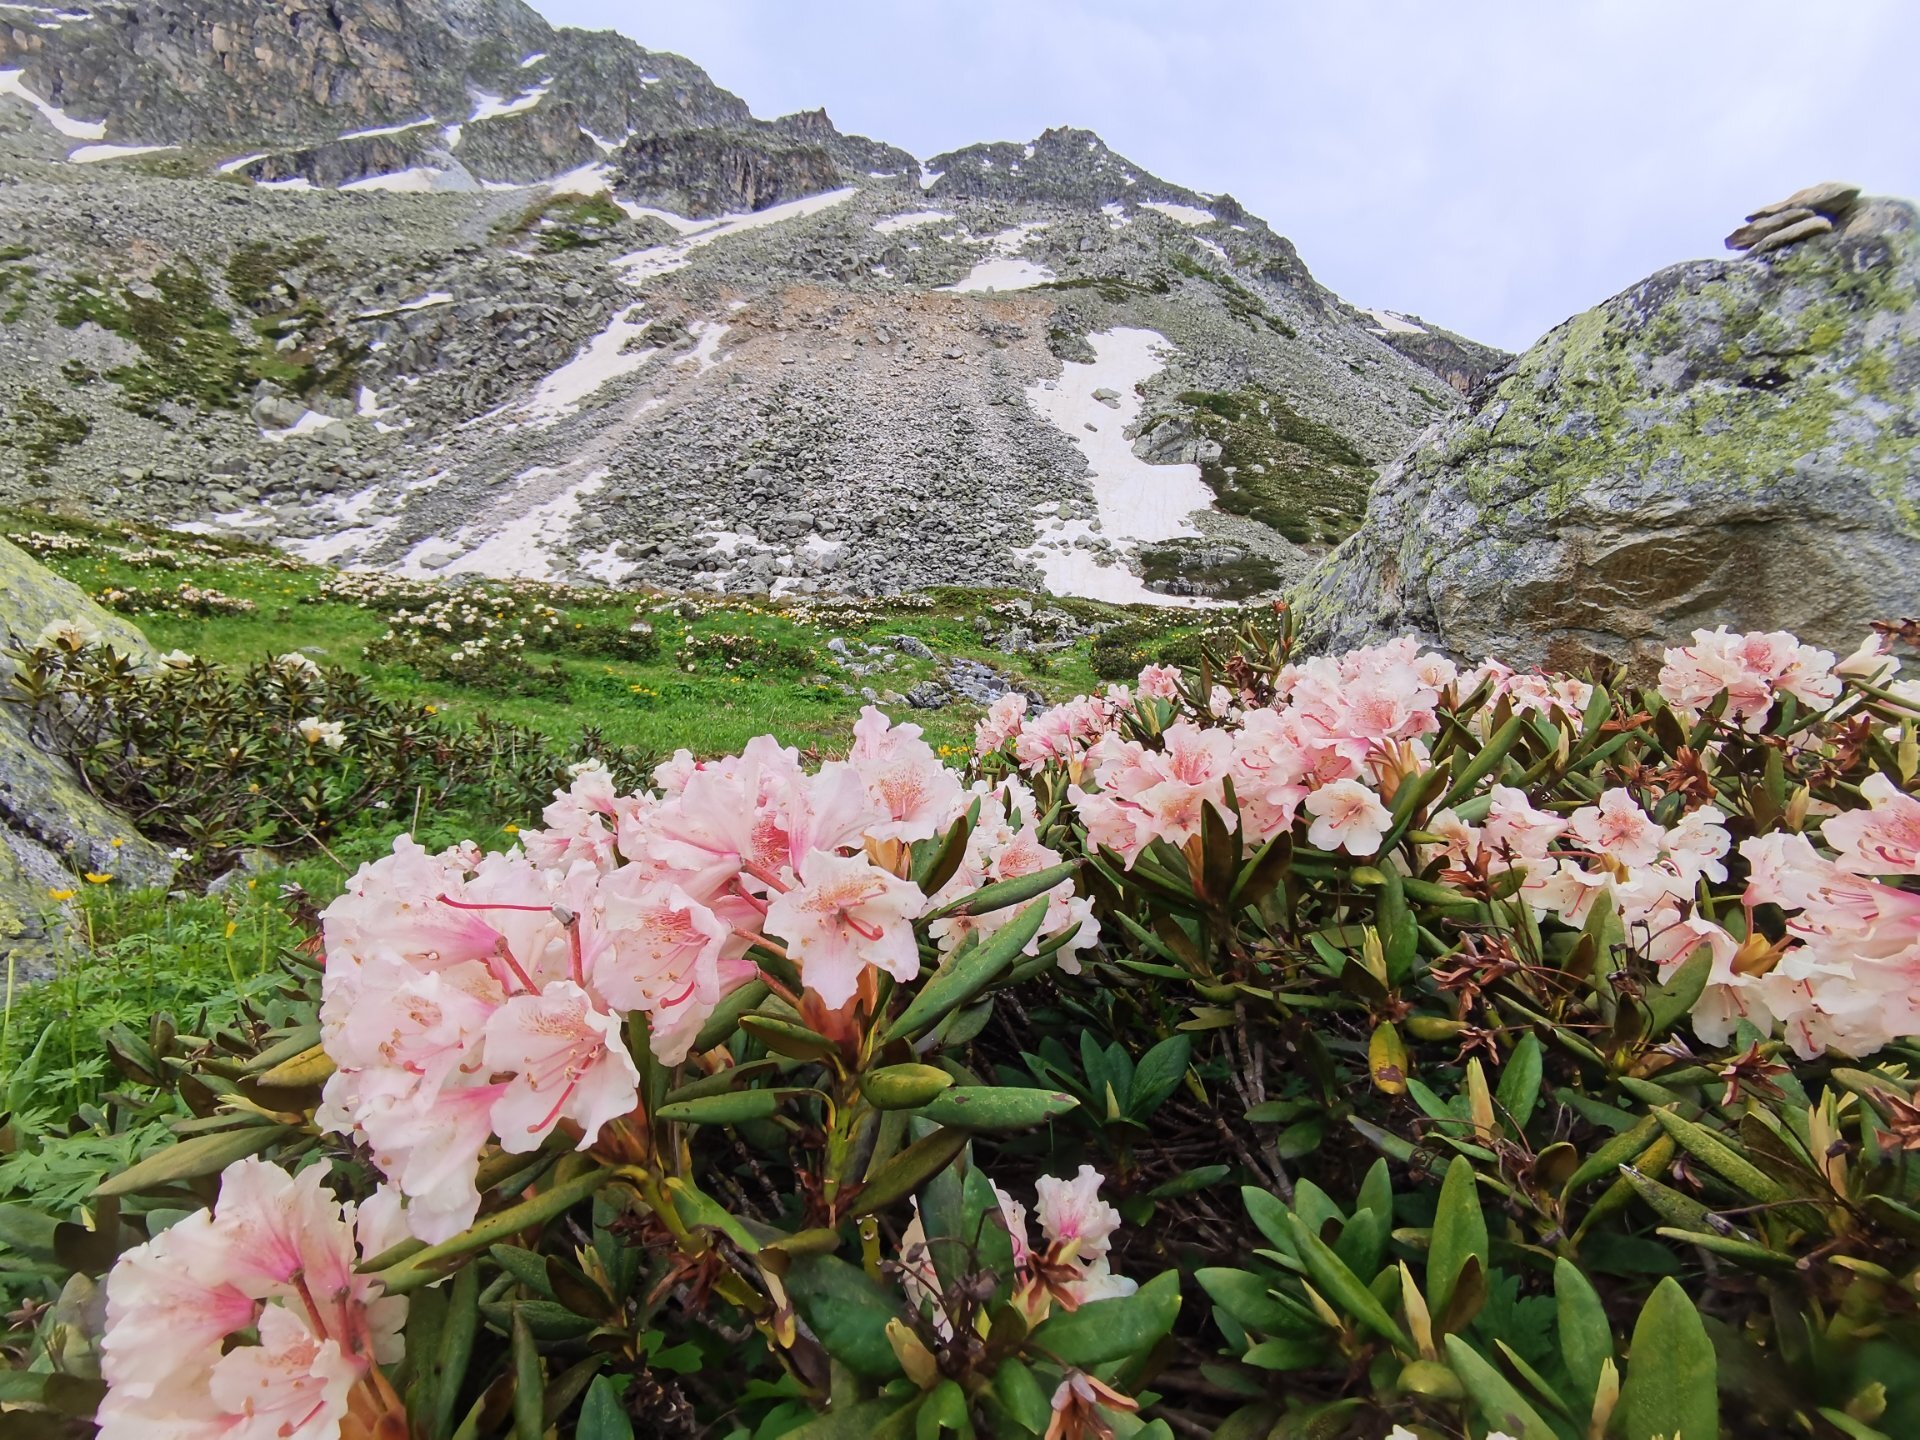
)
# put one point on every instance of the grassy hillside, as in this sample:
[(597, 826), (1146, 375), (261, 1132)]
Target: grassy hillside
[(707, 673)]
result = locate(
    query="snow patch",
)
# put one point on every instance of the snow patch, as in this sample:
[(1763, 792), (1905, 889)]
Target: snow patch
[(1394, 324), (704, 354), (89, 154), (533, 59), (296, 182), (1116, 214), (425, 302), (605, 357), (241, 163), (12, 84), (488, 106), (310, 422), (522, 546), (415, 180), (643, 265), (930, 178), (1185, 214), (1214, 247), (893, 224), (389, 129), (1136, 502), (1004, 269)]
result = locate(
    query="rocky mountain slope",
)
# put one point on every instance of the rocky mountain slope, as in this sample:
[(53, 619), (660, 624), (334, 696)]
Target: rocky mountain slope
[(1732, 441), (443, 289)]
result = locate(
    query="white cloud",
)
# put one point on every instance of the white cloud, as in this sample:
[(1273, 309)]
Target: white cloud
[(1492, 166)]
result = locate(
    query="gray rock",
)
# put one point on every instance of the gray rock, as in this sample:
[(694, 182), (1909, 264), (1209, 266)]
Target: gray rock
[(51, 826), (1724, 443), (928, 695), (913, 645), (1792, 234)]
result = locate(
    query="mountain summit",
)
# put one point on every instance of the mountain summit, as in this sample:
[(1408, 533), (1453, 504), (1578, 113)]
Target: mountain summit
[(443, 289)]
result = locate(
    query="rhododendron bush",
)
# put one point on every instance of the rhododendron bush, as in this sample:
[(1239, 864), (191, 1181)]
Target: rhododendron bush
[(1295, 1046)]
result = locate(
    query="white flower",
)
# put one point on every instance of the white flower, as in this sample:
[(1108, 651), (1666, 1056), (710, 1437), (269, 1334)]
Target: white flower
[(180, 855), (293, 660), (69, 634), (175, 659), (330, 733)]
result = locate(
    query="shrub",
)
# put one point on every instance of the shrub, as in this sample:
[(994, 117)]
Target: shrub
[(1555, 1034)]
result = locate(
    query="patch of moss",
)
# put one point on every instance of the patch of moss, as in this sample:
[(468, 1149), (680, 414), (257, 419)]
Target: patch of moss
[(16, 281), (1112, 288), (256, 270), (1292, 474), (1199, 567), (1242, 304), (191, 351), (41, 431), (557, 223)]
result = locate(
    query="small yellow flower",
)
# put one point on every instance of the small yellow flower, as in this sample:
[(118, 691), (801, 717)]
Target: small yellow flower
[(116, 842), (511, 829), (432, 709), (63, 894), (93, 879), (232, 925)]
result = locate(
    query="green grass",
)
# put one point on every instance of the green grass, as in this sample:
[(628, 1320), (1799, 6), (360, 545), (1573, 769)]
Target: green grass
[(655, 704)]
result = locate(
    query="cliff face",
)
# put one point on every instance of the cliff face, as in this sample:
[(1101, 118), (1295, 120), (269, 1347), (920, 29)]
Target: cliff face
[(1730, 441)]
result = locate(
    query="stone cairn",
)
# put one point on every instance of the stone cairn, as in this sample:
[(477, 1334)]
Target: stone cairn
[(1800, 216)]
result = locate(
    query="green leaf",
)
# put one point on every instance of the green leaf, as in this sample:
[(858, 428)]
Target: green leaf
[(1586, 1339), (735, 1107), (1344, 1290), (996, 1107), (969, 973), (1710, 1150), (448, 1366), (1672, 1377), (529, 1385), (1021, 1395), (848, 1311), (1286, 1353), (1459, 1231), (1677, 995), (903, 1087), (1247, 1298), (1116, 1329), (943, 1411), (602, 1417), (909, 1170), (725, 1018), (1519, 1089), (1003, 893), (436, 1261), (1501, 1406), (191, 1159)]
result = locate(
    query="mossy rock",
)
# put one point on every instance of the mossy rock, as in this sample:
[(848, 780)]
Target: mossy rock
[(52, 829), (1730, 441)]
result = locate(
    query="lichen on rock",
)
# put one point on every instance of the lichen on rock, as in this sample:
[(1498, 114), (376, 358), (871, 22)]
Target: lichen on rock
[(52, 827), (1729, 441)]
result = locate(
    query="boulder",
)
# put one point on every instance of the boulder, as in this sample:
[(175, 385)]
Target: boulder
[(1730, 441), (52, 828)]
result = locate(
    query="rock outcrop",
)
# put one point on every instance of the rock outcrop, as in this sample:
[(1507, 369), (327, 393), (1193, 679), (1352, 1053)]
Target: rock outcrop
[(1730, 441), (52, 828)]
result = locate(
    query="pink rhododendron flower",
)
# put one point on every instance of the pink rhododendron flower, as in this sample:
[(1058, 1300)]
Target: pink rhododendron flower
[(1001, 723), (845, 915), (1347, 816), (1882, 840), (1617, 829), (1753, 669), (569, 1061), (1159, 682), (248, 1320), (916, 796)]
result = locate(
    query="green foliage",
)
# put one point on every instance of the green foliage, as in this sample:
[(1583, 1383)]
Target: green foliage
[(1292, 474), (40, 429)]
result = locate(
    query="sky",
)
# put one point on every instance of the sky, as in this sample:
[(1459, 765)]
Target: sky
[(1492, 165)]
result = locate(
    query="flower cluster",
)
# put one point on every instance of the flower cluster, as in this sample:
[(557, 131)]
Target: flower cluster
[(184, 599), (1753, 670), (1070, 1268), (1343, 733), (474, 995), (250, 1319)]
